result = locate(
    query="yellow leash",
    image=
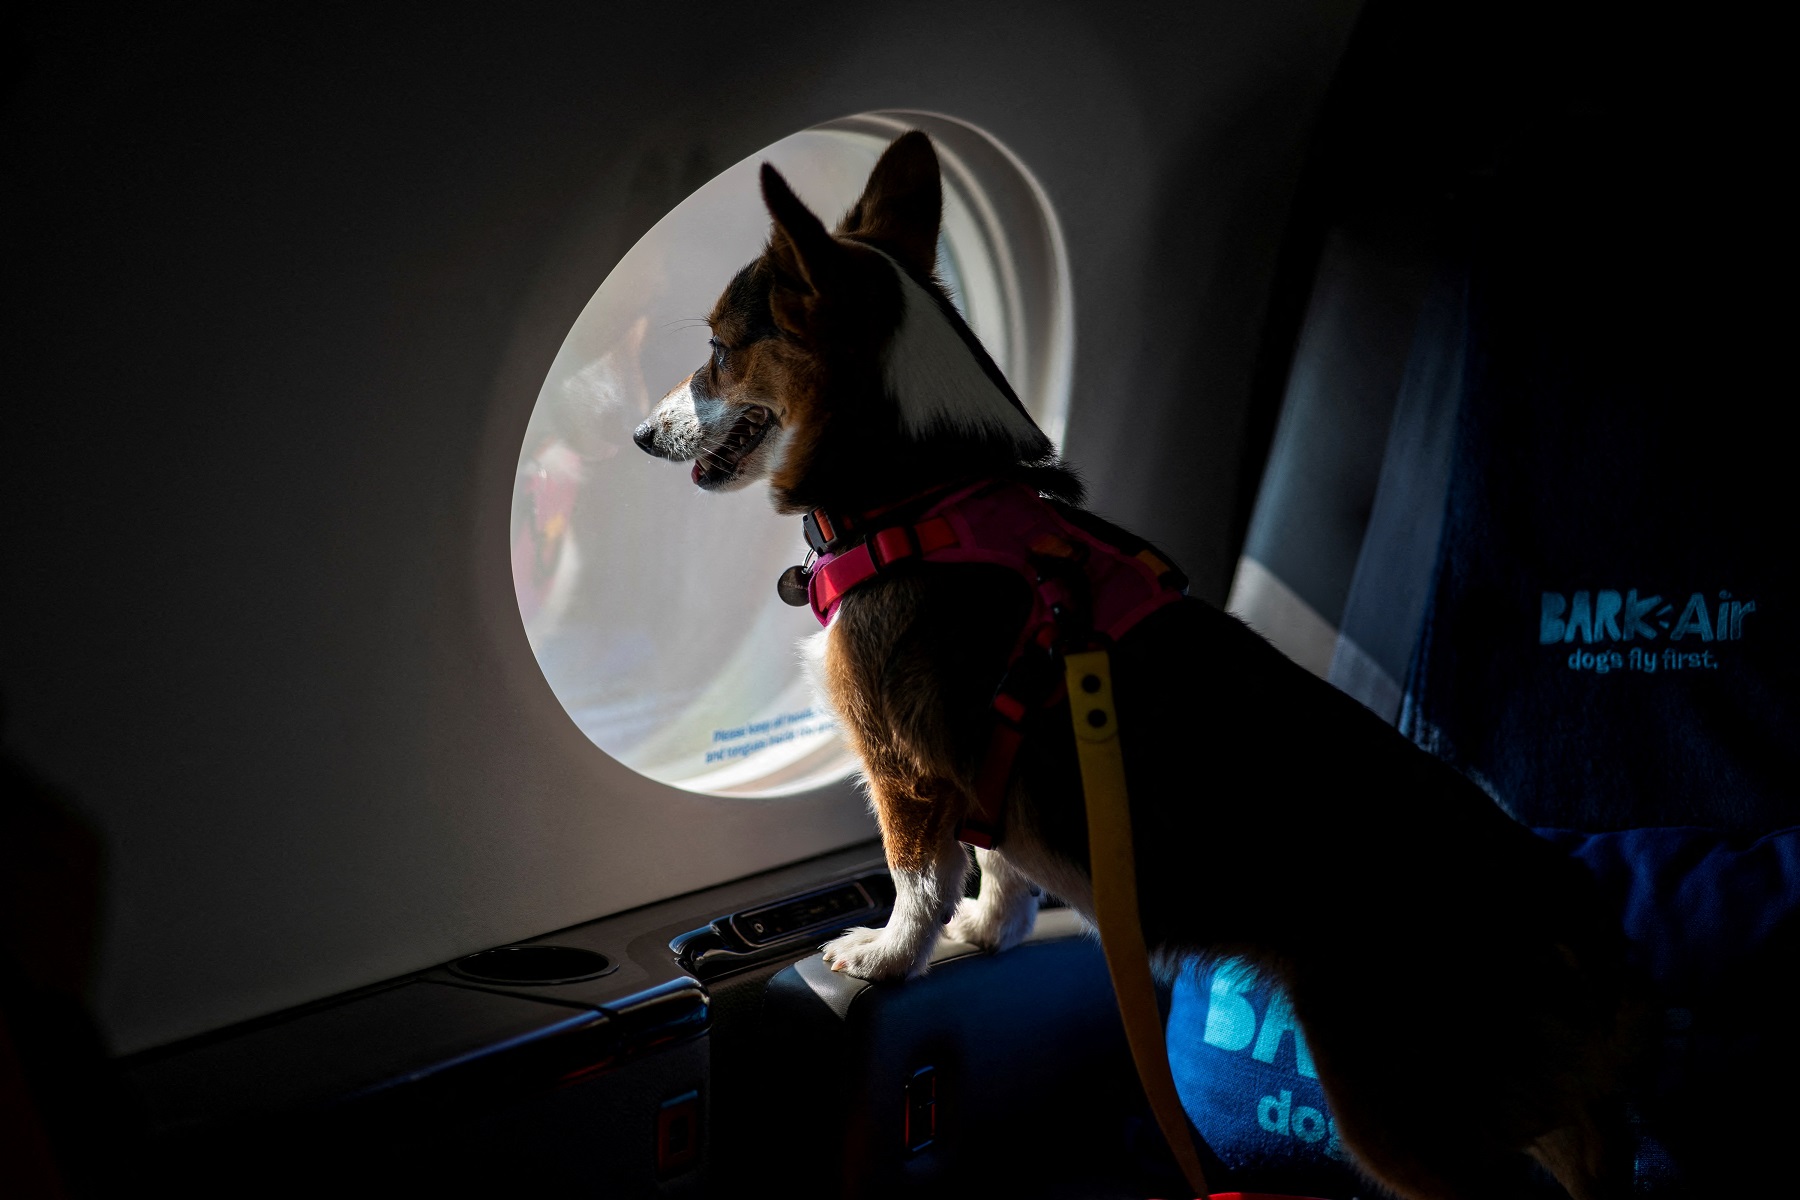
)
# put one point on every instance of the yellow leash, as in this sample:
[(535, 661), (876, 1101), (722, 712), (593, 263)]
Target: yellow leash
[(1115, 898)]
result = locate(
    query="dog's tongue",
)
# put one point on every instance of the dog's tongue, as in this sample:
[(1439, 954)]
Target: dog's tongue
[(696, 473)]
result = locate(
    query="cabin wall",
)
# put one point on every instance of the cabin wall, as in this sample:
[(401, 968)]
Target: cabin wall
[(283, 290)]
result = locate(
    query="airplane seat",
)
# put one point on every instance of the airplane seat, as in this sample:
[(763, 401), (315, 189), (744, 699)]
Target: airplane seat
[(1521, 501), (68, 1126), (990, 1074)]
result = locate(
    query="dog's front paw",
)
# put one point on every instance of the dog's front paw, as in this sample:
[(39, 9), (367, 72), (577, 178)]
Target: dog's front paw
[(990, 926), (873, 954)]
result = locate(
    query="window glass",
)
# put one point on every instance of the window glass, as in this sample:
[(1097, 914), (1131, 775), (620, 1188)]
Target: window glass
[(650, 606)]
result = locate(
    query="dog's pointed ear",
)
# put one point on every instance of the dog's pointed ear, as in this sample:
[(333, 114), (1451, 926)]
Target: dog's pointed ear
[(902, 204), (800, 249)]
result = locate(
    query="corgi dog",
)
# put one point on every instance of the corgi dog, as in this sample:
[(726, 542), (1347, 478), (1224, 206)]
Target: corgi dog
[(1428, 942)]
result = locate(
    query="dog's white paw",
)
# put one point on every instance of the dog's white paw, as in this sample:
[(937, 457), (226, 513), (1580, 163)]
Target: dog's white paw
[(991, 927), (872, 954)]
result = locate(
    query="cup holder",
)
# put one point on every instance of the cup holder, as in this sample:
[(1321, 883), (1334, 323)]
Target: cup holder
[(532, 965)]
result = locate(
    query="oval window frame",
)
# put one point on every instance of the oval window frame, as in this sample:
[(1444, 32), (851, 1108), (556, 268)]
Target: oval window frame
[(1007, 264)]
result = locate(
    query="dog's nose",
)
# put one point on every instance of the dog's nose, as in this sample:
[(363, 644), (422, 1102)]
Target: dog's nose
[(645, 437)]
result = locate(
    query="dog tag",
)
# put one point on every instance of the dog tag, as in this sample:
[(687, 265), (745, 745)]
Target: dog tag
[(791, 587)]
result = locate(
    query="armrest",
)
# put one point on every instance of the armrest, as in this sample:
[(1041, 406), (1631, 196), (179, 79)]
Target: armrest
[(1003, 1064)]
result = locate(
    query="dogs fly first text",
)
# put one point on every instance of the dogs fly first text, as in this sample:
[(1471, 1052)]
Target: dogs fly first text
[(1610, 616)]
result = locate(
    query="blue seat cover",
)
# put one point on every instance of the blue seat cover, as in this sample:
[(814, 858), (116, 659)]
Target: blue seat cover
[(1713, 922)]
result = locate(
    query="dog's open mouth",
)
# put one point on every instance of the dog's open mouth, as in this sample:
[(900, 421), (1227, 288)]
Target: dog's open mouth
[(718, 462)]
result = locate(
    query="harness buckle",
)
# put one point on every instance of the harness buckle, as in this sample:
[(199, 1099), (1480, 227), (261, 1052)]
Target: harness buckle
[(821, 529), (890, 545)]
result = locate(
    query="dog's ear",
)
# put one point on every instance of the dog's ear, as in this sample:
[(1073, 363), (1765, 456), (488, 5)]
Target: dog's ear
[(902, 204), (799, 248)]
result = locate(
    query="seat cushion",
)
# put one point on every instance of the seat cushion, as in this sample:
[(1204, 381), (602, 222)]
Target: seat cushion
[(1713, 922)]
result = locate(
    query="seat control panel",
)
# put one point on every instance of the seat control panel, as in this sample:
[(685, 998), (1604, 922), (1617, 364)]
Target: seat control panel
[(921, 1109), (768, 931)]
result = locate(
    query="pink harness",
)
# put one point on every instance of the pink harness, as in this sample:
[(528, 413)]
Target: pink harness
[(1084, 590)]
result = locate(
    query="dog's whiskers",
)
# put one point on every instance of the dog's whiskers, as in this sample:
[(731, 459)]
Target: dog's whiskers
[(718, 459)]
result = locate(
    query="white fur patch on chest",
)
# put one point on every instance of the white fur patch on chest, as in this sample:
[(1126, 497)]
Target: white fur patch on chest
[(813, 649), (937, 381)]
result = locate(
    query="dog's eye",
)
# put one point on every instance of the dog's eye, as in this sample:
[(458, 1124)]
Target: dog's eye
[(718, 349)]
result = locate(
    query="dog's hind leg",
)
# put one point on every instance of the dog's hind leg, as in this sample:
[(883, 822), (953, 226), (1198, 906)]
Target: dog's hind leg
[(928, 866), (1592, 1158), (1447, 1171), (1002, 915)]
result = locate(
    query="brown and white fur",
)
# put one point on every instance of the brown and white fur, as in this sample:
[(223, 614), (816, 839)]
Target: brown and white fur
[(1429, 943)]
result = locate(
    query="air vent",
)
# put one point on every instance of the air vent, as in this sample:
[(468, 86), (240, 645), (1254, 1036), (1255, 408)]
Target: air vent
[(532, 965)]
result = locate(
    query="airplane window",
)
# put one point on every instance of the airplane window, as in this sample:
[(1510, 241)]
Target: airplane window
[(650, 606)]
